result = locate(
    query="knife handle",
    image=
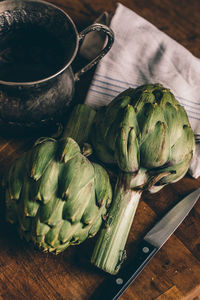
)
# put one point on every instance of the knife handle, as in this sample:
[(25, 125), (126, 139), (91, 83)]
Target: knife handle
[(114, 286)]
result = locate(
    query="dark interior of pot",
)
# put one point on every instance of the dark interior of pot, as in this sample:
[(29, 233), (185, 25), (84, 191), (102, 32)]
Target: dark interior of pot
[(36, 41)]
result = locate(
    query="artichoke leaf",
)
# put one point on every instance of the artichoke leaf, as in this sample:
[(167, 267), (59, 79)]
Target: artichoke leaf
[(148, 158), (76, 204), (39, 228), (184, 145), (118, 104), (97, 138), (112, 123), (51, 238), (67, 149), (176, 172), (15, 177), (175, 126), (103, 190), (24, 221), (154, 151), (51, 212), (95, 227), (30, 205), (49, 183), (67, 230), (126, 152), (69, 182), (41, 156), (104, 153), (141, 96), (148, 117), (91, 211), (126, 148)]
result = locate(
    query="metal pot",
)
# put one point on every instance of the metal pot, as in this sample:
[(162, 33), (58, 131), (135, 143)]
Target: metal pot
[(38, 42)]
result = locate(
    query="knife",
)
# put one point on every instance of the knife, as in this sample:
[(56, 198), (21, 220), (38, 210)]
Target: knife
[(115, 285)]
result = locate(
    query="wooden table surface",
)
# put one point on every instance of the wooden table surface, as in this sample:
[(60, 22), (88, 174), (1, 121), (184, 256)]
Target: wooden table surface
[(174, 272)]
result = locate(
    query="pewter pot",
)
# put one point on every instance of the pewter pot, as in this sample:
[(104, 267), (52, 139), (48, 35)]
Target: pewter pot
[(38, 43)]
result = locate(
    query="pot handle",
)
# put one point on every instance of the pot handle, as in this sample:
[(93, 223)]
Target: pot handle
[(110, 40)]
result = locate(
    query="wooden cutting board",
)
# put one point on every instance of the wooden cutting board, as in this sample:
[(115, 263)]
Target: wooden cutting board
[(174, 272)]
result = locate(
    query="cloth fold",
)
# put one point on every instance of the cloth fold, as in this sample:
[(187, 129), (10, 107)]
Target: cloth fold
[(143, 54)]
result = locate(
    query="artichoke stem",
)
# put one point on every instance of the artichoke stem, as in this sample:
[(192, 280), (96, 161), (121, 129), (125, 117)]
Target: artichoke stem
[(108, 253), (79, 124)]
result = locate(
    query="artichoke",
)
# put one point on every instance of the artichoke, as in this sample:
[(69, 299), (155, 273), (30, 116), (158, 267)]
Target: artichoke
[(53, 193), (146, 133)]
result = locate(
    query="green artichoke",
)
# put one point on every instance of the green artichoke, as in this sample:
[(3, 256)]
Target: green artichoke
[(54, 194), (146, 133)]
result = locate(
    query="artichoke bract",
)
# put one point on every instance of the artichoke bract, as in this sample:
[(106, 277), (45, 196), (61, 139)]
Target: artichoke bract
[(146, 133), (53, 193)]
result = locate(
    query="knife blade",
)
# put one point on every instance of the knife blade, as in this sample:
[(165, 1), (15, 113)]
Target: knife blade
[(115, 285)]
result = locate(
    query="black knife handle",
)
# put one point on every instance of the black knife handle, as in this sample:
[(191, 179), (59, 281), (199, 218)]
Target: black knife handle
[(114, 286)]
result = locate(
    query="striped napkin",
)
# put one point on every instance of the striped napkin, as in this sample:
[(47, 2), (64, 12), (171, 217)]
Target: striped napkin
[(143, 54)]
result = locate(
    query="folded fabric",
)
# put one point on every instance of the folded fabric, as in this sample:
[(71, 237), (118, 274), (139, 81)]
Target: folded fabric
[(143, 54)]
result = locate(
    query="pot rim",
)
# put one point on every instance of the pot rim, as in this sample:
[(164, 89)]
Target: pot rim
[(36, 82)]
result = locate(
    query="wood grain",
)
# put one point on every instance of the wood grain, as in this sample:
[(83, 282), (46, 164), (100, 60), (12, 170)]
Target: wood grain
[(174, 272)]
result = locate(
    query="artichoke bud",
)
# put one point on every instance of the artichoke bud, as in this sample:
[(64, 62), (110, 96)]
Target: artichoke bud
[(41, 156), (51, 194), (149, 158), (67, 149), (154, 151)]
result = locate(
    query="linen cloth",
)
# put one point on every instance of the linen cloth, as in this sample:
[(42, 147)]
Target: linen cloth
[(142, 54)]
